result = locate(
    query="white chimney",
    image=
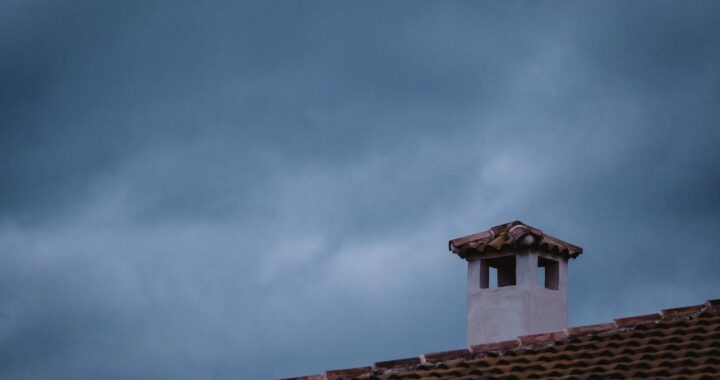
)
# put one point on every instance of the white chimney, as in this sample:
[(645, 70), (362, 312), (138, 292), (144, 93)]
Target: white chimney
[(517, 282)]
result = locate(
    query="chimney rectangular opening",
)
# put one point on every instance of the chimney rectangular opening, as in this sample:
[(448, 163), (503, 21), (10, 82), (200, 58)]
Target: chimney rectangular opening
[(548, 273), (497, 272)]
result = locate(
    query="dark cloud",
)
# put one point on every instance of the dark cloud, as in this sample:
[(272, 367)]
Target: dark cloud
[(262, 190)]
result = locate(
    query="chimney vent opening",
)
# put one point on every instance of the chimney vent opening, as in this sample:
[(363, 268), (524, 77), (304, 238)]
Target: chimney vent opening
[(548, 273), (497, 272)]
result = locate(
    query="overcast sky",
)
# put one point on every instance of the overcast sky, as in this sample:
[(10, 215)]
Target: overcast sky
[(235, 190)]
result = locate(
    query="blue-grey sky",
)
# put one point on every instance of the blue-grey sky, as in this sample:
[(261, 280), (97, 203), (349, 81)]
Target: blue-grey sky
[(237, 190)]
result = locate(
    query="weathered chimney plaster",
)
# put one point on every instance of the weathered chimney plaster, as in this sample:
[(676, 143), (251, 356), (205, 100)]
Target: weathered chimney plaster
[(497, 314)]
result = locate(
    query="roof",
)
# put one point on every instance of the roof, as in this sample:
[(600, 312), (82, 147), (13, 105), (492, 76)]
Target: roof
[(673, 343), (513, 234)]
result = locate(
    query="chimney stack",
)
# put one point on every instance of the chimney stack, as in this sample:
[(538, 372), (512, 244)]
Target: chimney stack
[(517, 282)]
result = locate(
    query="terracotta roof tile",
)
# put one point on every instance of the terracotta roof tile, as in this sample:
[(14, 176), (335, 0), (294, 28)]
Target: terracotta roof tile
[(675, 343), (348, 373), (513, 234), (632, 321), (542, 338), (309, 377), (435, 357), (714, 304), (389, 364), (497, 346), (590, 329), (681, 311)]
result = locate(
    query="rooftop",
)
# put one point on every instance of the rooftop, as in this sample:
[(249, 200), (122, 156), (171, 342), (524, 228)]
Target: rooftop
[(673, 343)]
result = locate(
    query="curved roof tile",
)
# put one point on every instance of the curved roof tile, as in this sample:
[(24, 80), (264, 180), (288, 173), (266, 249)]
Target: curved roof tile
[(512, 234)]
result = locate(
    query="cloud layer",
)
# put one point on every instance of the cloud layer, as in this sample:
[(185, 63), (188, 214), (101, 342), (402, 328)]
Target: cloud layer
[(225, 190)]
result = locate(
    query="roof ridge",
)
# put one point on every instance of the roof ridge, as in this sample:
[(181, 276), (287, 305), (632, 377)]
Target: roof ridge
[(526, 342)]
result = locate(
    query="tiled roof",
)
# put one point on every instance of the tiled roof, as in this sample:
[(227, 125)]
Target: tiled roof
[(682, 343), (513, 234)]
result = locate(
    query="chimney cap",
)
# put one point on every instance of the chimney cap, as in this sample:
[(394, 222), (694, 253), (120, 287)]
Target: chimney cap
[(512, 234)]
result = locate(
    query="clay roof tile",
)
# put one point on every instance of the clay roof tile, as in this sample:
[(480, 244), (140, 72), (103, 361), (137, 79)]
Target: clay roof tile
[(348, 373), (511, 234)]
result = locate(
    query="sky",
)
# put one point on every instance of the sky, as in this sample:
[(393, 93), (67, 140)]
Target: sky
[(253, 190)]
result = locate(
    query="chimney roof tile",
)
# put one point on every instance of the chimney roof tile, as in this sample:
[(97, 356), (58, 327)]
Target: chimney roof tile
[(511, 235)]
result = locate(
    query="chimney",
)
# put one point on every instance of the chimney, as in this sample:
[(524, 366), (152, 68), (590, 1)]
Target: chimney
[(517, 282)]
